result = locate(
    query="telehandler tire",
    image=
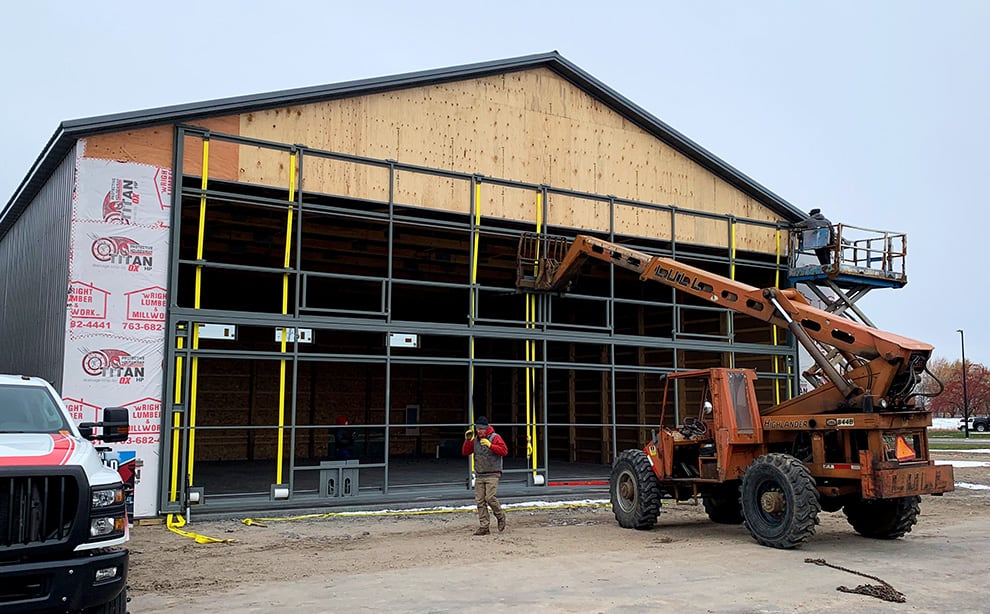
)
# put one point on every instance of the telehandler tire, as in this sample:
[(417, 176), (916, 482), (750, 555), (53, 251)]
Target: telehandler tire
[(722, 505), (779, 501), (634, 491), (883, 518)]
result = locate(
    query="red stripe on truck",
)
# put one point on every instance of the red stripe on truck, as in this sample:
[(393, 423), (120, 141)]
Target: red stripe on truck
[(61, 450)]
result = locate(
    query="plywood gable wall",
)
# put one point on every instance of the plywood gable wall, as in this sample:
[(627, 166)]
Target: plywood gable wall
[(532, 126)]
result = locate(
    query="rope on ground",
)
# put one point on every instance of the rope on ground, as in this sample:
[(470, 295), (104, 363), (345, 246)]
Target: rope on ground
[(258, 522), (175, 522), (882, 591)]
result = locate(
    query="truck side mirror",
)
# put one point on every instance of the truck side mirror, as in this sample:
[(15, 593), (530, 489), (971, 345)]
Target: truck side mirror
[(116, 425)]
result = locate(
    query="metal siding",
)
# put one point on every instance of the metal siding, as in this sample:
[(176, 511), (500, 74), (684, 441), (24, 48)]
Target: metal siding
[(34, 280)]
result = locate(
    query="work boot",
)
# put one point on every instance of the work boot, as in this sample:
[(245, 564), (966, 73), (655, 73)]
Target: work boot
[(501, 523), (482, 531)]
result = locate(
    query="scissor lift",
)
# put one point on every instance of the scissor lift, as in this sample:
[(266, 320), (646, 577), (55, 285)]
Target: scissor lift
[(861, 260)]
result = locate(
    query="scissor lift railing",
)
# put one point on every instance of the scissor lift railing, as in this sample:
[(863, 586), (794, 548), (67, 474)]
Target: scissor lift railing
[(860, 260)]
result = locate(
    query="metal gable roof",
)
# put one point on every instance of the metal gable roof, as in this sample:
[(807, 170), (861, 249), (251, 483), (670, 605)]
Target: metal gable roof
[(70, 131)]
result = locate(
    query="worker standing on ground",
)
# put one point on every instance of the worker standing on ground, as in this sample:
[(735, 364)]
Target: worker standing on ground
[(817, 220), (488, 449)]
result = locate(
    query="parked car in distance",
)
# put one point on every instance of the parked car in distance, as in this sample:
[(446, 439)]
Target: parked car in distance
[(980, 424)]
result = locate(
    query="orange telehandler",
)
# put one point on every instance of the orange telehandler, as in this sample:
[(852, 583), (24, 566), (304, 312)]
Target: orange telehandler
[(858, 442)]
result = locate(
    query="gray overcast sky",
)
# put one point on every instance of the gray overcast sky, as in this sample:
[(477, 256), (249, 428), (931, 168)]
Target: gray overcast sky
[(877, 112)]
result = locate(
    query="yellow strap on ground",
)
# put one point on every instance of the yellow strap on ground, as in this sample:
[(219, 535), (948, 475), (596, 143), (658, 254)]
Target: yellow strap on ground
[(452, 510), (175, 522)]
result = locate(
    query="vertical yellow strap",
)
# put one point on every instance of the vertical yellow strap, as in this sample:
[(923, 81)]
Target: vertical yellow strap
[(193, 390), (539, 218), (776, 271), (176, 425), (197, 297), (532, 358), (475, 242), (531, 412), (529, 377), (732, 249), (773, 329), (178, 372), (174, 488), (732, 275), (285, 311)]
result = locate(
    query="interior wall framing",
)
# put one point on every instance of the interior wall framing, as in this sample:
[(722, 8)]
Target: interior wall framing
[(571, 377)]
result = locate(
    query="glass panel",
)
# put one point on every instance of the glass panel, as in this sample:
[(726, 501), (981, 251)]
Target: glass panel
[(740, 402)]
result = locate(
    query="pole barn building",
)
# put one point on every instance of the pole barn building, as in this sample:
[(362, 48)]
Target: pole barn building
[(247, 274)]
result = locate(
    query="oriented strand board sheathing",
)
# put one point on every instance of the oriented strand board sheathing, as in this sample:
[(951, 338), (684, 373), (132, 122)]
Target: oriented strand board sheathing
[(147, 145), (155, 146), (532, 126), (361, 181)]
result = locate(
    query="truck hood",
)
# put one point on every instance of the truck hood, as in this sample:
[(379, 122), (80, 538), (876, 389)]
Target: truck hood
[(54, 449)]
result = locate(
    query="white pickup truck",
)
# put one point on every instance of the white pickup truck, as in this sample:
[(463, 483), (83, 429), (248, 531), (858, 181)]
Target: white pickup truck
[(62, 510)]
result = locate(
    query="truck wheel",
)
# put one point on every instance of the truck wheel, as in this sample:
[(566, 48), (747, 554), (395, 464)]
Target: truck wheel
[(634, 491), (779, 501), (722, 505), (117, 605), (883, 518), (981, 427)]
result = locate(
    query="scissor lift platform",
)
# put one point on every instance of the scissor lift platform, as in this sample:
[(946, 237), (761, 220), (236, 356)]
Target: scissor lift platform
[(860, 260)]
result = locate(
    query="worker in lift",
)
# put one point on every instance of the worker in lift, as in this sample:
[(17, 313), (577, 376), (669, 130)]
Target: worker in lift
[(817, 220)]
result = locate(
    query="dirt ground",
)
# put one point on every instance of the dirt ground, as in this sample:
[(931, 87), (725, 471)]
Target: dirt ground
[(563, 560)]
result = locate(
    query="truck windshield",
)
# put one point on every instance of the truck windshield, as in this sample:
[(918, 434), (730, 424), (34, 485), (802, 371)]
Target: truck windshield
[(29, 409)]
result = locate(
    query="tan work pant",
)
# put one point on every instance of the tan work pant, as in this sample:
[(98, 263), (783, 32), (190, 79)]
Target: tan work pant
[(484, 495)]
